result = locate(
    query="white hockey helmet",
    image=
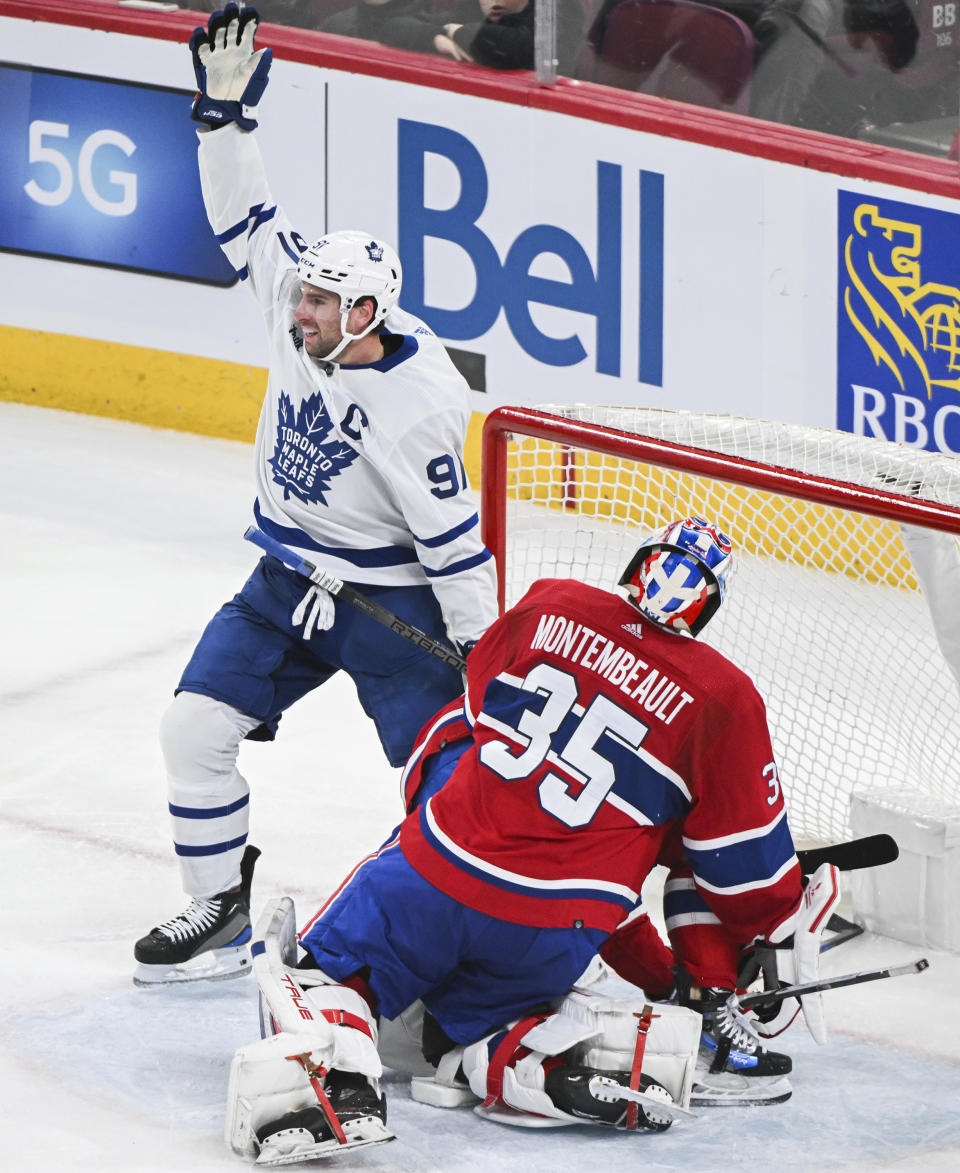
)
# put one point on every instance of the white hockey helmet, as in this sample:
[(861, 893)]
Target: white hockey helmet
[(354, 265)]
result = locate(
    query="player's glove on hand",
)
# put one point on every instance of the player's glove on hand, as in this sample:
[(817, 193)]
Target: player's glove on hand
[(231, 77), (321, 612)]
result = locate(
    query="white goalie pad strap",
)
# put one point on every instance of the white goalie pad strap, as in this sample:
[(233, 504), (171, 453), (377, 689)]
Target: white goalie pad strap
[(521, 1100), (820, 897), (266, 1084), (443, 1088)]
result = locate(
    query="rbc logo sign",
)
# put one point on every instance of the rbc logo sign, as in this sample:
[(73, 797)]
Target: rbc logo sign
[(509, 284), (898, 336)]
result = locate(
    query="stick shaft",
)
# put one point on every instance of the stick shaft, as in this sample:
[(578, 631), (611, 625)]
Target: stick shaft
[(341, 590), (767, 997)]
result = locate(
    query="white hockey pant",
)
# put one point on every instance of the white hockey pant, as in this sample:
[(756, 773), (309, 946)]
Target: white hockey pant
[(272, 1078), (209, 797), (589, 1029)]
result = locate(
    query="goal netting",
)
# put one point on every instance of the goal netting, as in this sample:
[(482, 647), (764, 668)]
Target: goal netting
[(825, 611)]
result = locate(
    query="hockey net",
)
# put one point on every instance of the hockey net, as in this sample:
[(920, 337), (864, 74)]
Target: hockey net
[(825, 609)]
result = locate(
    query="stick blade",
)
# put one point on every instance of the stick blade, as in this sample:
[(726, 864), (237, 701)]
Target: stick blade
[(870, 852)]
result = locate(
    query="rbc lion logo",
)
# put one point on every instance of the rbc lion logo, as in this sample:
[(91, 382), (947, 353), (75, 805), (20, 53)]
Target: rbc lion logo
[(898, 335)]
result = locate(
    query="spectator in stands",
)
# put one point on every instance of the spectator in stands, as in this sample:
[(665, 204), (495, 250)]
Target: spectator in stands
[(796, 54), (495, 33), (366, 18)]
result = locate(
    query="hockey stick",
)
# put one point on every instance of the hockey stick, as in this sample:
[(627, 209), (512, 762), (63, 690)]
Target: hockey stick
[(272, 949), (769, 997), (869, 852), (341, 590)]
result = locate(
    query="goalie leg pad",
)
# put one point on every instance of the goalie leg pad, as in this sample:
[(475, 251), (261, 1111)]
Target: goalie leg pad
[(600, 1020), (314, 1085), (580, 1064)]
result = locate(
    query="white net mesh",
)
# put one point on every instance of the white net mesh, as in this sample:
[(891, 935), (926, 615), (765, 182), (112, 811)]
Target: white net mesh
[(824, 610)]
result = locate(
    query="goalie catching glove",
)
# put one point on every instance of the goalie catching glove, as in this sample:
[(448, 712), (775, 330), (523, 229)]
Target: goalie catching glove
[(231, 77)]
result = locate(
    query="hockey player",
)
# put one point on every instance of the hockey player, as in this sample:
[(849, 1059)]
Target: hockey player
[(596, 737), (358, 466)]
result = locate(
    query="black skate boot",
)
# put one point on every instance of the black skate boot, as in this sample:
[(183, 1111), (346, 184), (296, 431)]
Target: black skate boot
[(206, 941), (732, 1068), (603, 1097), (359, 1118)]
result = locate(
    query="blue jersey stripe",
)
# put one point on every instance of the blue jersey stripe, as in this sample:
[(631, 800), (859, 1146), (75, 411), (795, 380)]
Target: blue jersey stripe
[(262, 217), (678, 901), (291, 253), (745, 862), (457, 567), (209, 848), (556, 890), (407, 349), (377, 556), (256, 214), (451, 534), (214, 812)]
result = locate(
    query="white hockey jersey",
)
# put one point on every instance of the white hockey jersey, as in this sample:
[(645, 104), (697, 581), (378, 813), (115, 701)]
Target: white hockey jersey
[(359, 469)]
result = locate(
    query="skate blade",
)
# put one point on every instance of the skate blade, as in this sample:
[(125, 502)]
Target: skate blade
[(425, 1090), (296, 1144), (727, 1090), (213, 966)]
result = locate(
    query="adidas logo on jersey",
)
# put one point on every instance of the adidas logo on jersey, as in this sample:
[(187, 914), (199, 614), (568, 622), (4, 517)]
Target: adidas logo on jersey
[(633, 629)]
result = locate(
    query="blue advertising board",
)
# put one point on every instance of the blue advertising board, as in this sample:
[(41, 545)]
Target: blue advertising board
[(898, 327), (103, 172)]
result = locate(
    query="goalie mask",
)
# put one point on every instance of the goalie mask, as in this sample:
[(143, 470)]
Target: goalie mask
[(353, 265), (678, 576)]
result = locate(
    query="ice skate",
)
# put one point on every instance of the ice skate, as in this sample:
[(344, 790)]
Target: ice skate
[(359, 1118), (732, 1068), (207, 941), (602, 1097)]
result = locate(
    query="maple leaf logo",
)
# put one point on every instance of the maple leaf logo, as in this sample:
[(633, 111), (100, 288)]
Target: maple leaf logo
[(304, 461)]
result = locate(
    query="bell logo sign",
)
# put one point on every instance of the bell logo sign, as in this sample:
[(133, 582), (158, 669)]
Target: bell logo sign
[(594, 288)]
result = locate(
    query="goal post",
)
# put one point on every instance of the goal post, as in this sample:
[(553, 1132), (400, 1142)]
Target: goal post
[(826, 609)]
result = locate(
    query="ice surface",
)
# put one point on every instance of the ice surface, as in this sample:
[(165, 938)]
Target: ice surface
[(118, 542)]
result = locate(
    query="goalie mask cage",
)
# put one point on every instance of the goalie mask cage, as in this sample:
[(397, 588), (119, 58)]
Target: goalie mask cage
[(824, 611)]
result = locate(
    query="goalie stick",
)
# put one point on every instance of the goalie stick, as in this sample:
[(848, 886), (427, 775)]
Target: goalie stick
[(341, 590), (869, 852), (768, 997)]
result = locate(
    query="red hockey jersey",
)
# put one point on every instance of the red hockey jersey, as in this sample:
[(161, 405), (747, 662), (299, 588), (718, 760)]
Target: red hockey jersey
[(601, 745)]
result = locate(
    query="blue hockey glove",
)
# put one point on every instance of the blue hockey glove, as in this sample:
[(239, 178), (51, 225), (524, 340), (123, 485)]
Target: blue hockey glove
[(231, 77)]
